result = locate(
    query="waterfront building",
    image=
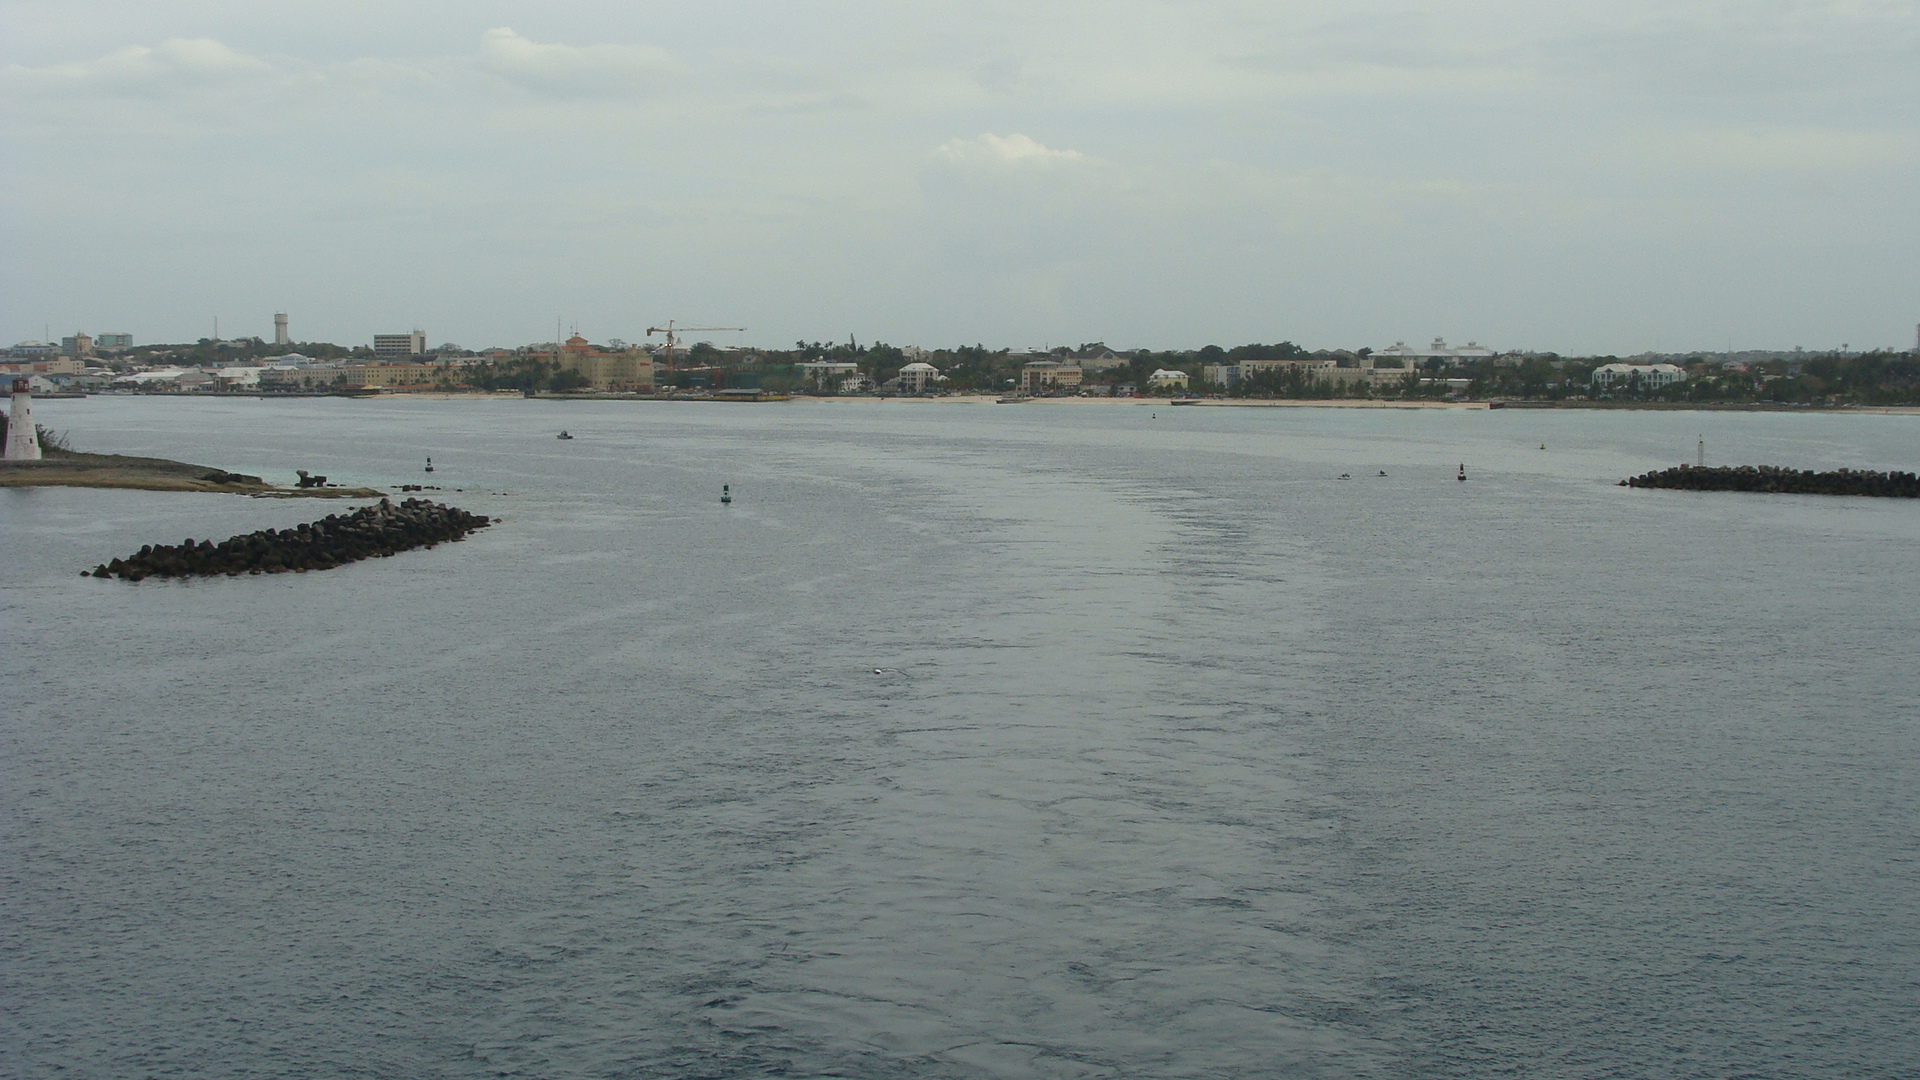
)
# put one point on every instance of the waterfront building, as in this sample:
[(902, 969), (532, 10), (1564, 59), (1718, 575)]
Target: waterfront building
[(1644, 376), (1406, 358), (237, 377), (1099, 358), (389, 376), (151, 379), (843, 375), (33, 348), (166, 380), (394, 346), (1168, 378), (1048, 376), (1317, 368), (1389, 365), (45, 365), (913, 378), (285, 376), (629, 370), (294, 371)]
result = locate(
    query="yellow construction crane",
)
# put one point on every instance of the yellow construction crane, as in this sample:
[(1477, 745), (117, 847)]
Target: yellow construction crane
[(673, 335)]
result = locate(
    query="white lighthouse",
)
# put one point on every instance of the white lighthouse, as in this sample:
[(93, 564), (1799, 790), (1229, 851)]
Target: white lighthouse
[(23, 439)]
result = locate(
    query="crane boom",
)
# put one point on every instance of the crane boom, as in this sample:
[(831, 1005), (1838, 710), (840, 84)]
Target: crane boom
[(673, 333)]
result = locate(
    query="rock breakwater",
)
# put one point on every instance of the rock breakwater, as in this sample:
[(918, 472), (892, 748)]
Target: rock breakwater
[(374, 531), (1769, 478)]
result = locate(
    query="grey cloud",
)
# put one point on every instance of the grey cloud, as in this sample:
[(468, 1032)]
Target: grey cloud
[(1164, 172), (588, 70), (1005, 151), (173, 65)]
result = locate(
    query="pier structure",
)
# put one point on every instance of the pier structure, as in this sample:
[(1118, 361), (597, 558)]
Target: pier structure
[(23, 439)]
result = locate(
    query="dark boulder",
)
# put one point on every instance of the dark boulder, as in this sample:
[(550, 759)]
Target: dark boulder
[(381, 530), (1772, 479)]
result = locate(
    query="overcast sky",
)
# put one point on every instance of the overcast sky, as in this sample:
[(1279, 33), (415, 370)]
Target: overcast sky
[(1579, 176)]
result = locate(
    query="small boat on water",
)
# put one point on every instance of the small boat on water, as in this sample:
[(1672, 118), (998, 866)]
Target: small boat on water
[(1014, 399), (429, 464), (563, 434)]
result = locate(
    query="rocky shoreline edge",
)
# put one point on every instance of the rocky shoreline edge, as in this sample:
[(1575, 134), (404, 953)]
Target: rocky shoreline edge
[(73, 469), (376, 531)]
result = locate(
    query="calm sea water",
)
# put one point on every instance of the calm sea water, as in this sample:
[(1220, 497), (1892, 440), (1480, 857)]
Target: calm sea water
[(1049, 741)]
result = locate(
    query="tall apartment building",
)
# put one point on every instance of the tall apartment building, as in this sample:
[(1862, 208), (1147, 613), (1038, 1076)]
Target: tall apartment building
[(78, 345), (111, 342), (394, 346)]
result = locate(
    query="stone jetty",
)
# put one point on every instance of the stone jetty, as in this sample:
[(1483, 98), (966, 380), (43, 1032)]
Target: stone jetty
[(66, 468), (374, 531), (1769, 478)]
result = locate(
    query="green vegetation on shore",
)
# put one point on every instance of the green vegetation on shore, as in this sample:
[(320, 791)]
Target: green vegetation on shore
[(1882, 378)]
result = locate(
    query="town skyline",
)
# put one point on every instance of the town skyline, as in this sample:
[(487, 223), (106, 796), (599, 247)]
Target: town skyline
[(280, 332)]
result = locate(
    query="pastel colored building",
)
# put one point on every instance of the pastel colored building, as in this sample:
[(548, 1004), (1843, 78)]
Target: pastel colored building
[(389, 376), (629, 370), (1049, 376)]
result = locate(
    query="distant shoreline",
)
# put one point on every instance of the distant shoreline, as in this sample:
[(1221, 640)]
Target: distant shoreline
[(1712, 406), (989, 399)]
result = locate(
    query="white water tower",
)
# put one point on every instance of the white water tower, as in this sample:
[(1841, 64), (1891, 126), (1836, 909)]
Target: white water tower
[(280, 329)]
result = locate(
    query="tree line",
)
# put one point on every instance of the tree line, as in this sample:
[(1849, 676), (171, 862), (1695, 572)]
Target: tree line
[(1868, 378)]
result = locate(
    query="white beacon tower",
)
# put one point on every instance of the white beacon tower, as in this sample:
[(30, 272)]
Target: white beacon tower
[(23, 439)]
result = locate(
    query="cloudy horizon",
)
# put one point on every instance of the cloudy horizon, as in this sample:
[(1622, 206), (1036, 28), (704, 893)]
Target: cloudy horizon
[(1582, 178)]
